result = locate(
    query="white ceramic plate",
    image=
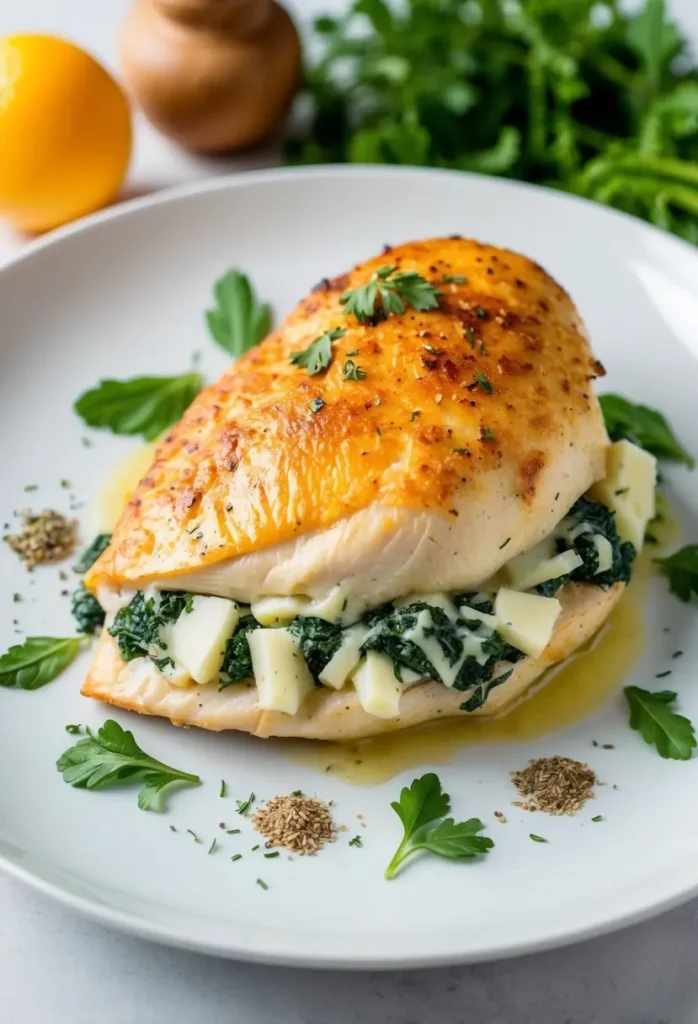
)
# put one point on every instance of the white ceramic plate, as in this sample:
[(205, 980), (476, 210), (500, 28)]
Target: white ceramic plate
[(122, 294)]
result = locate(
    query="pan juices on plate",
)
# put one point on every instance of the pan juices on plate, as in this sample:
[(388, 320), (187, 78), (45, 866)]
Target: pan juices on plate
[(403, 504)]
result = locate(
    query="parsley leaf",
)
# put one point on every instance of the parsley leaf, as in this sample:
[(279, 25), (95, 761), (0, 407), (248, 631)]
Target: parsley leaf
[(38, 660), (421, 809), (238, 321), (672, 734), (390, 291), (318, 355), (681, 568), (483, 382), (353, 372), (112, 755), (643, 426), (141, 405)]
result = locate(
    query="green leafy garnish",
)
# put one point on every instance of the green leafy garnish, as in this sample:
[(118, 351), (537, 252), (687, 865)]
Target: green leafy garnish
[(353, 372), (388, 291), (650, 713), (86, 610), (595, 98), (454, 279), (38, 660), (243, 806), (318, 355), (90, 555), (643, 426), (238, 321), (486, 434), (483, 382), (421, 809), (681, 568), (112, 755), (141, 405)]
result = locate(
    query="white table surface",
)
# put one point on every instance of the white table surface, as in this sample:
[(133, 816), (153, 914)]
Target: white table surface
[(58, 968)]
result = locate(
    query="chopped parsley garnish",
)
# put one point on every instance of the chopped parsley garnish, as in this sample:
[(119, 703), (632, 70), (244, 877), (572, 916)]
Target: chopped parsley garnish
[(454, 279), (38, 660), (142, 405), (112, 755), (74, 730), (196, 838), (388, 291), (483, 382), (353, 372), (470, 335), (681, 569), (223, 788), (651, 714), (356, 841), (487, 435), (537, 839), (262, 884), (236, 856), (481, 313), (316, 404), (213, 845), (597, 817), (318, 355), (422, 808), (643, 426), (238, 321)]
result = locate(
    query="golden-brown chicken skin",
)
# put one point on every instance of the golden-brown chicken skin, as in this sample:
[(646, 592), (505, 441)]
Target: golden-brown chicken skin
[(474, 429)]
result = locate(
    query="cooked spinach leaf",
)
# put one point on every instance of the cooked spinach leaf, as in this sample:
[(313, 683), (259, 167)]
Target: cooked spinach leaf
[(137, 626), (319, 640), (601, 522), (237, 661), (90, 555), (86, 610)]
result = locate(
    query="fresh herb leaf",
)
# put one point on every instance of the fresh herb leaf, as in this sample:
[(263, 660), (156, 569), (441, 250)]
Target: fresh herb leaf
[(388, 291), (651, 714), (353, 372), (243, 806), (681, 569), (112, 755), (318, 355), (643, 426), (86, 610), (90, 555), (483, 382), (38, 660), (238, 321), (420, 806), (141, 405)]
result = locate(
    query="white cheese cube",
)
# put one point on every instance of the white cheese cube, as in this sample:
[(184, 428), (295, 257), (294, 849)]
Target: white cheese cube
[(604, 550), (376, 686), (196, 641), (526, 621), (629, 489), (345, 659), (279, 611), (282, 676), (536, 566), (177, 675)]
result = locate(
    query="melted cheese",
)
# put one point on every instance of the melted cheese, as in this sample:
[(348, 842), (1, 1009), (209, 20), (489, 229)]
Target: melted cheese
[(283, 679), (196, 641), (628, 489), (377, 687), (345, 659), (526, 621)]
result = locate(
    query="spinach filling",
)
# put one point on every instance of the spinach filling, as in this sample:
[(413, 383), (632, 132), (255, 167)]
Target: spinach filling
[(237, 660), (389, 626), (585, 520), (84, 606), (136, 627)]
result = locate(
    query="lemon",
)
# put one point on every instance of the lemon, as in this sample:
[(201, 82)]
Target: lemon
[(65, 132)]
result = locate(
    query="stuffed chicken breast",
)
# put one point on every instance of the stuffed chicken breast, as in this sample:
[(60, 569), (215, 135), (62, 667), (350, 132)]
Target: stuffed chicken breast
[(402, 504)]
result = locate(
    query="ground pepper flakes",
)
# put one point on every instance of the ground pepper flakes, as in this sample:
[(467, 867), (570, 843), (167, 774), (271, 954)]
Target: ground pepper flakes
[(300, 823), (45, 536), (556, 785)]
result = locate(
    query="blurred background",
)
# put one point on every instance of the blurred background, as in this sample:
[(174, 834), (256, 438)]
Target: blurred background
[(592, 96)]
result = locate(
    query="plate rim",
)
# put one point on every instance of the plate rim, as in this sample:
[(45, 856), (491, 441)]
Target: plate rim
[(176, 936)]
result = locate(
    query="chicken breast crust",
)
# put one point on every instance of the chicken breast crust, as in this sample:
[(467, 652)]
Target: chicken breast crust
[(334, 714), (471, 434)]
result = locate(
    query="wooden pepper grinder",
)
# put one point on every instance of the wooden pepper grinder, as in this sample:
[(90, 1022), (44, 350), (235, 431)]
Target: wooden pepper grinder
[(213, 75)]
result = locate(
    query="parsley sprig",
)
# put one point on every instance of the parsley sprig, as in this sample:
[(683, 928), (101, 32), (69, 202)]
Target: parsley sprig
[(681, 569), (318, 355), (650, 713), (141, 405), (643, 426), (38, 660), (238, 321), (112, 755), (388, 291), (421, 809)]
